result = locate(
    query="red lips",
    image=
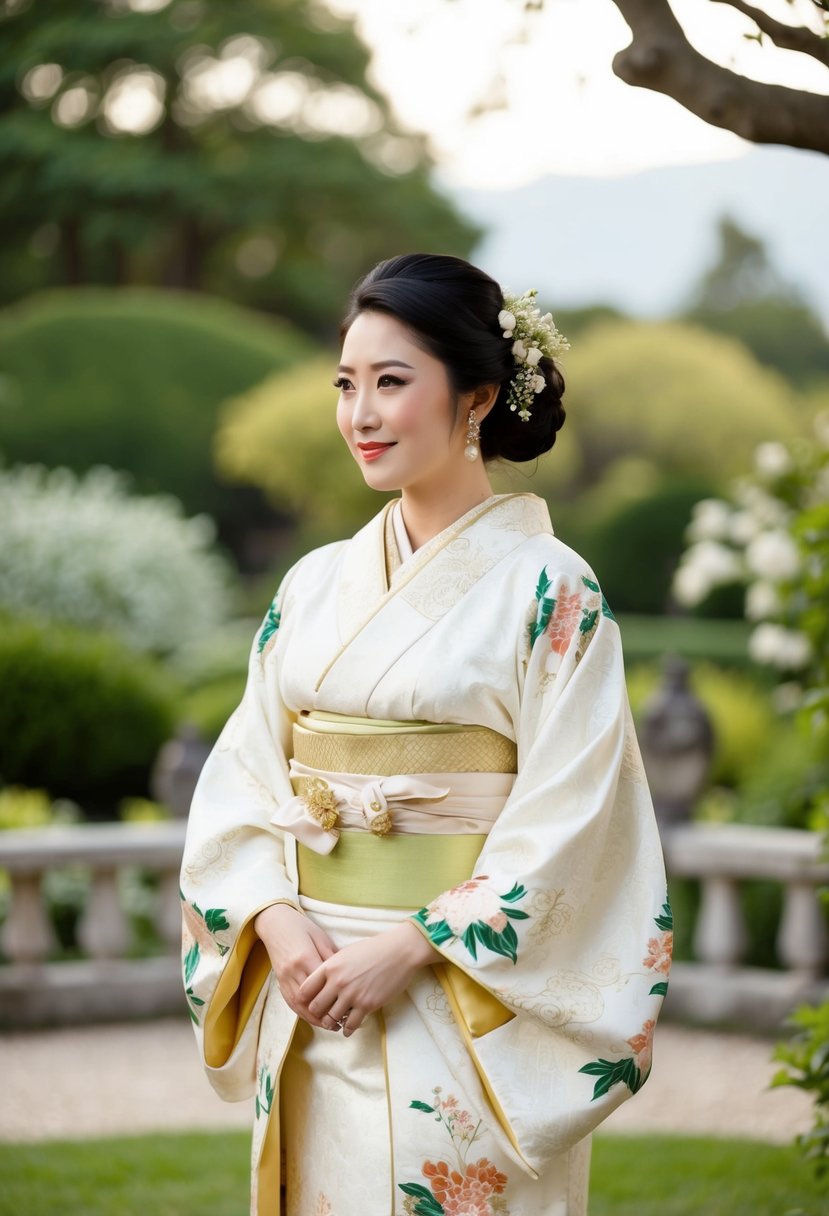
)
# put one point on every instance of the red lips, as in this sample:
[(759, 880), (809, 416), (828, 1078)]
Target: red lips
[(373, 451)]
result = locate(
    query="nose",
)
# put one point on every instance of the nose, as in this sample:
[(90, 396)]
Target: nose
[(364, 415)]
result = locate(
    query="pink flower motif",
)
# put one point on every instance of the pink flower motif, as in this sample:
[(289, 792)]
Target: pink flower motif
[(660, 950), (467, 903), (465, 1194), (642, 1046), (564, 620)]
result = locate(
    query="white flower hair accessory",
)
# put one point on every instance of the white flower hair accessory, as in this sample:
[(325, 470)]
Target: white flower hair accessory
[(533, 336)]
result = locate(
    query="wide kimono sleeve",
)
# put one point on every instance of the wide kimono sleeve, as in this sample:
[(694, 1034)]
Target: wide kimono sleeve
[(565, 926), (234, 865)]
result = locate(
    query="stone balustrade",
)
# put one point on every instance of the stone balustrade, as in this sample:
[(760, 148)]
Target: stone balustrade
[(717, 988), (107, 984)]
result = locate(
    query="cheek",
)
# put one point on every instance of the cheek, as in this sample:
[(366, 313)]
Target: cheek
[(424, 415), (344, 420)]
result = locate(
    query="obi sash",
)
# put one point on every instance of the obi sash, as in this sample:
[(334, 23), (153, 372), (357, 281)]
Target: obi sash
[(390, 814)]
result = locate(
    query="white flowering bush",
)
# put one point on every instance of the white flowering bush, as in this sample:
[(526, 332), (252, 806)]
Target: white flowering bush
[(83, 550), (772, 535)]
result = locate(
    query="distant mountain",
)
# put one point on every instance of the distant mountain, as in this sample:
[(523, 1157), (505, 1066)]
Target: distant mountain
[(640, 242)]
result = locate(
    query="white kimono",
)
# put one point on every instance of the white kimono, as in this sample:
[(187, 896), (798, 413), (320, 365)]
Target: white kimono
[(476, 1090)]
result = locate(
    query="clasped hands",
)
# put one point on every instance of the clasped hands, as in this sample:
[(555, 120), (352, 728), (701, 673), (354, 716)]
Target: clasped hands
[(338, 988)]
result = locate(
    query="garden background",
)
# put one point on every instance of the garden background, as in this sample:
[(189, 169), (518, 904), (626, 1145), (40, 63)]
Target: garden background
[(188, 191)]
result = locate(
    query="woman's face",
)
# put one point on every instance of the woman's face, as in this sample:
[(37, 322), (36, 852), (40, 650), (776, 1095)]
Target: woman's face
[(395, 409)]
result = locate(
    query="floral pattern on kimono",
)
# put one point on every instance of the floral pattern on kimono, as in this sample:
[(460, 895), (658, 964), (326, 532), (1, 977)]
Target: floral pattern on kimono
[(459, 1187)]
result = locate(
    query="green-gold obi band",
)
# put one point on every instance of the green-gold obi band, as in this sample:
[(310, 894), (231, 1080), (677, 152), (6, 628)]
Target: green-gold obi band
[(396, 871), (400, 869)]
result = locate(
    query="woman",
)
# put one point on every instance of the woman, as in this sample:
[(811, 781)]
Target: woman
[(426, 920)]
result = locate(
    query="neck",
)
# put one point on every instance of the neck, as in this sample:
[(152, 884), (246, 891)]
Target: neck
[(427, 513)]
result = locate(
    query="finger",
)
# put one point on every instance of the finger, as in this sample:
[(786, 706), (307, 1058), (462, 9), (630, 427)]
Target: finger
[(312, 986), (353, 1022)]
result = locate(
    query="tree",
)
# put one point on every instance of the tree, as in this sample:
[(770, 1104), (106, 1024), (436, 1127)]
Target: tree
[(743, 295), (661, 58), (236, 148)]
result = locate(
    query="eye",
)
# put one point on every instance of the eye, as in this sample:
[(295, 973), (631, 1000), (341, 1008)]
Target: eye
[(391, 379), (341, 383)]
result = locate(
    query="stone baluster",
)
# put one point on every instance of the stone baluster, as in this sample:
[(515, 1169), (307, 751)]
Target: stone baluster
[(720, 936), (802, 938), (28, 936), (103, 931)]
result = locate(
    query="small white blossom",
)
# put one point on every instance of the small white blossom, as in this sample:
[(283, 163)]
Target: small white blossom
[(769, 511), (772, 460), (779, 647), (773, 555), (762, 601), (506, 320), (743, 527), (539, 384), (710, 519), (85, 551), (519, 350), (705, 565), (533, 356)]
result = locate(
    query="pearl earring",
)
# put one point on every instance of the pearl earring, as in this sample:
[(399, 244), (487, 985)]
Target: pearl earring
[(473, 431)]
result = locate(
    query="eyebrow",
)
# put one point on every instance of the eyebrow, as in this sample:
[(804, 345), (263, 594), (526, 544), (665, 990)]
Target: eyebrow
[(377, 366)]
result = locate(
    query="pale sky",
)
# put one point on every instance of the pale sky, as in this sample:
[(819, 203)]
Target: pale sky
[(561, 109)]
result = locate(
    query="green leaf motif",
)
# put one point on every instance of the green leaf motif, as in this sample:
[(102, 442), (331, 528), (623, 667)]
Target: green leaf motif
[(516, 892), (606, 609), (269, 626), (588, 582), (588, 621), (660, 989), (545, 607), (430, 1110), (516, 914), (666, 920), (215, 919), (613, 1072), (426, 1204), (191, 962), (439, 931)]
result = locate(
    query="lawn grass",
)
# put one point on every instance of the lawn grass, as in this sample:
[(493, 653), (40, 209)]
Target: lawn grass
[(206, 1174)]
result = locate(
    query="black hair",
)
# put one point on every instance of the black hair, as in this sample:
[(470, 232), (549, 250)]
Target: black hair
[(451, 308)]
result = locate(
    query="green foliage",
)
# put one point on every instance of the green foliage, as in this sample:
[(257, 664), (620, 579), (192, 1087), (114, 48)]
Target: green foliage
[(281, 211), (134, 379), (637, 547), (805, 1058), (79, 716), (197, 1173), (743, 718), (209, 706), (693, 403), (649, 637), (781, 333)]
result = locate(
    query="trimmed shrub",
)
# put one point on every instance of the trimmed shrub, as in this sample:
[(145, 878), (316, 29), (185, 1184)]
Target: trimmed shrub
[(134, 378), (79, 716)]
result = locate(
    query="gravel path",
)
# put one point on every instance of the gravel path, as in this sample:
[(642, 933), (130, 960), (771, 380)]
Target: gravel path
[(125, 1079)]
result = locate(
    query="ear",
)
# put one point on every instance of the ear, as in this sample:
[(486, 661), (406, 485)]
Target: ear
[(482, 399)]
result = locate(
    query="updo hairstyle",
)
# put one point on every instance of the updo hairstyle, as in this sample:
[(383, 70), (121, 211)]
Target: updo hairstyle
[(451, 309)]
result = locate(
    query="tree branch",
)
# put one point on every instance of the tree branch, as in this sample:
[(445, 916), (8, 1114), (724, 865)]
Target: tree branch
[(787, 37), (661, 58)]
